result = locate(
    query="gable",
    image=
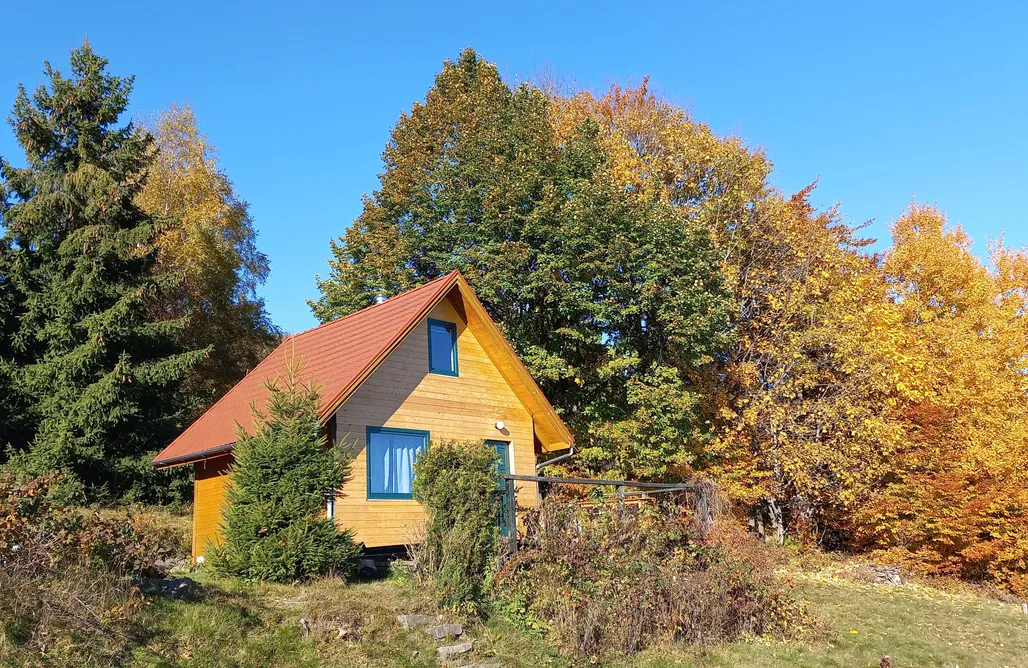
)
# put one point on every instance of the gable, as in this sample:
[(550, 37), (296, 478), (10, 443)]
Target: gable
[(404, 393)]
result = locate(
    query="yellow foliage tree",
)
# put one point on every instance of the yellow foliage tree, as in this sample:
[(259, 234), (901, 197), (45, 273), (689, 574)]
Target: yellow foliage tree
[(797, 404), (210, 242), (955, 499)]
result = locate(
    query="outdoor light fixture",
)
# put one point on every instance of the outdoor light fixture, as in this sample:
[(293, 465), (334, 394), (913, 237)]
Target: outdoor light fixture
[(499, 425)]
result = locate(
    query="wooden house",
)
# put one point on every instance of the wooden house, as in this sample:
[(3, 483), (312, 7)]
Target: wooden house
[(426, 365)]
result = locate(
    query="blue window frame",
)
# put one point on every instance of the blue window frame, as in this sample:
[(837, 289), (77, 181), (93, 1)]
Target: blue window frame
[(442, 347), (391, 454)]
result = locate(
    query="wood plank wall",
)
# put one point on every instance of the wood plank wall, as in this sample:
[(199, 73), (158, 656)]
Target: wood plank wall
[(403, 394), (208, 494)]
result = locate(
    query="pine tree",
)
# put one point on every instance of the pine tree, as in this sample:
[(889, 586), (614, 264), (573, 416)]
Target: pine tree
[(99, 371), (274, 525)]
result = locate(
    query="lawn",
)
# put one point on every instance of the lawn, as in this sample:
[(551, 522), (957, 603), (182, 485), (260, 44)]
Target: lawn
[(236, 624)]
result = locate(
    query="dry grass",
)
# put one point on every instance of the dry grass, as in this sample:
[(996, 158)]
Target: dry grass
[(239, 624)]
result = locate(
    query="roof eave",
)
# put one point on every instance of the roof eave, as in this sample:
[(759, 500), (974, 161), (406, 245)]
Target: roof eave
[(192, 457)]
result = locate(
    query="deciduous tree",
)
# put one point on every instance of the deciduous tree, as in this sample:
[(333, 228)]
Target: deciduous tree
[(594, 285), (209, 241)]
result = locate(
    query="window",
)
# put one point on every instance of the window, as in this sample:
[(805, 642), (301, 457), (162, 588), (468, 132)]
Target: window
[(442, 347), (391, 455)]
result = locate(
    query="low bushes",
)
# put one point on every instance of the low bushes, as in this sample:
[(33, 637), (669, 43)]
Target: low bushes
[(67, 577), (616, 580), (456, 482)]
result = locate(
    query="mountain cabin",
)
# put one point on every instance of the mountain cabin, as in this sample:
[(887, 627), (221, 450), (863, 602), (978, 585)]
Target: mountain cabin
[(426, 365)]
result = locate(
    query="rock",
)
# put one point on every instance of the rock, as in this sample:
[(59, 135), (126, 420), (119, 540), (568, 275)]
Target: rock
[(444, 631), (414, 621), (368, 568), (171, 565), (450, 651), (348, 632), (887, 575), (175, 589)]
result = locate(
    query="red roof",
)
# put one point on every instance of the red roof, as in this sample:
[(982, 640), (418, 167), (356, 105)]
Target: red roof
[(338, 355)]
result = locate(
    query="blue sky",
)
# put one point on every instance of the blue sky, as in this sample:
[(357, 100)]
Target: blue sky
[(885, 104)]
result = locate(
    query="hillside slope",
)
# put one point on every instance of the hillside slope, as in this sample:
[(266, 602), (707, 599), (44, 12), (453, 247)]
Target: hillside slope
[(234, 624)]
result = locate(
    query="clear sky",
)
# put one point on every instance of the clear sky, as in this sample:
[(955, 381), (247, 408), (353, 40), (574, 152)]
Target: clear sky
[(886, 103)]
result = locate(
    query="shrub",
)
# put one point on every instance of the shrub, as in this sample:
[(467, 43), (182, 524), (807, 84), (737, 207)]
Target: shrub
[(456, 482), (617, 579), (67, 577), (274, 523)]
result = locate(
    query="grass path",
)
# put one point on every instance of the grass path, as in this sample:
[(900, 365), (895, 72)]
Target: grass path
[(240, 625)]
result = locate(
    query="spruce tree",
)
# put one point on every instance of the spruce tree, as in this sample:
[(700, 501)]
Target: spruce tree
[(274, 524), (97, 366)]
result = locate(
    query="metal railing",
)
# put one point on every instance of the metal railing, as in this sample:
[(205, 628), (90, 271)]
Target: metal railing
[(625, 489)]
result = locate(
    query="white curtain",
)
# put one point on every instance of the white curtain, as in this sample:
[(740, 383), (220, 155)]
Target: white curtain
[(391, 456)]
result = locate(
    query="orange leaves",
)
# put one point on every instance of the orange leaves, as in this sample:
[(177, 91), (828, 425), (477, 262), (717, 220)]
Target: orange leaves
[(954, 498)]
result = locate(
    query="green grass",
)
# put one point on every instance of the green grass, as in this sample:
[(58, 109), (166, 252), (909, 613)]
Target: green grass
[(242, 625)]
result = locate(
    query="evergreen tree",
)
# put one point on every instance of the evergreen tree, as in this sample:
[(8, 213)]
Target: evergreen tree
[(274, 525), (14, 425), (97, 369)]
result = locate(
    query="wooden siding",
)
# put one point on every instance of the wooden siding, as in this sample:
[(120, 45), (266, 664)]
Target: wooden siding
[(551, 433), (208, 494), (402, 394)]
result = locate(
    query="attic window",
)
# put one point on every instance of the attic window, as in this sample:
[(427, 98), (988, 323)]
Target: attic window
[(442, 347)]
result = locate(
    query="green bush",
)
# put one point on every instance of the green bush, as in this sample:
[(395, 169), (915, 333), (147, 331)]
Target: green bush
[(273, 522), (456, 482), (614, 580)]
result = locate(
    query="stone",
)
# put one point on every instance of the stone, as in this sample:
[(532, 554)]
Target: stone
[(415, 621), (349, 632), (887, 575), (444, 631), (450, 651), (368, 568), (175, 588)]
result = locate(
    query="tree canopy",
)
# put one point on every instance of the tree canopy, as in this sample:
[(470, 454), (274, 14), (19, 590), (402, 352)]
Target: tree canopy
[(689, 319), (207, 238), (606, 295)]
